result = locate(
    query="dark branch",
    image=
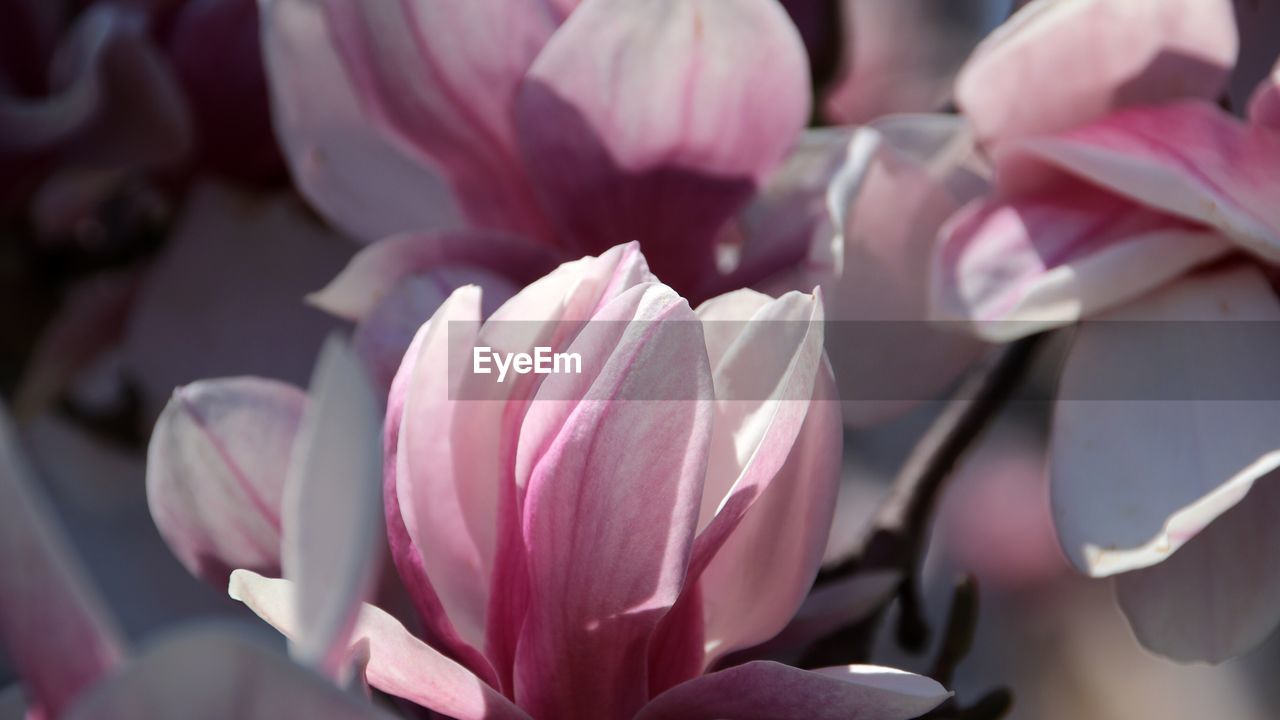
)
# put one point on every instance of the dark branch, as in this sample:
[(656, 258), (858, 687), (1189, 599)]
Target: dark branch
[(898, 535)]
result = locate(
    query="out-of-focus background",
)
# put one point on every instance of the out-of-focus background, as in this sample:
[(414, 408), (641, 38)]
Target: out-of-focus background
[(159, 240)]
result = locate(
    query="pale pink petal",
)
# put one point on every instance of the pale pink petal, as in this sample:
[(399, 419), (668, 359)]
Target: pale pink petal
[(756, 582), (1122, 54), (226, 295), (1188, 159), (613, 459), (331, 514), (360, 180), (1013, 267), (415, 67), (377, 270), (437, 627), (212, 672), (1264, 106), (52, 624), (1219, 595), (438, 505), (1133, 480), (399, 663), (216, 470), (766, 358), (903, 178), (769, 691), (549, 312), (475, 441), (651, 121), (382, 337)]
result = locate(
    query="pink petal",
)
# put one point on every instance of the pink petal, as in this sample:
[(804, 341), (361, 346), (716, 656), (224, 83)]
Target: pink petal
[(376, 271), (230, 283), (52, 624), (332, 507), (649, 121), (1133, 480), (1188, 159), (212, 672), (475, 442), (549, 312), (769, 691), (216, 469), (766, 357), (902, 179), (438, 506), (383, 336), (415, 67), (1219, 595), (360, 180), (608, 521), (399, 663), (756, 581), (1138, 52), (1013, 267), (437, 627)]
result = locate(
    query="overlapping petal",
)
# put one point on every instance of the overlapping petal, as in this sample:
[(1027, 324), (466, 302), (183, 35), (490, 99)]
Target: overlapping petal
[(608, 533), (358, 178), (1012, 267), (216, 470), (1217, 596), (414, 65), (1133, 480), (648, 121), (1142, 52), (1188, 159), (331, 514)]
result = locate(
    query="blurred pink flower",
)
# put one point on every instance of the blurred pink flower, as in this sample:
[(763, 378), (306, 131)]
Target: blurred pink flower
[(590, 545), (1111, 185), (571, 126)]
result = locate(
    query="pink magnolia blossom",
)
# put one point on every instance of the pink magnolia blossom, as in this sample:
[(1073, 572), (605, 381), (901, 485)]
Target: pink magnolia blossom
[(1110, 190), (572, 126), (591, 544), (73, 663)]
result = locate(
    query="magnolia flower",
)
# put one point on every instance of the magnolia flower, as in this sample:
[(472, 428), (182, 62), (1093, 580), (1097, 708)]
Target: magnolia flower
[(537, 130), (73, 662), (591, 544), (1109, 188)]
